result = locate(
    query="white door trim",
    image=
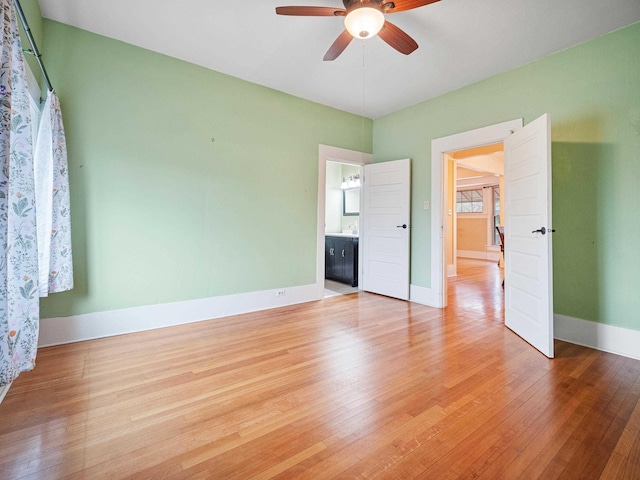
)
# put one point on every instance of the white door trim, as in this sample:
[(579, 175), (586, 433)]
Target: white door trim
[(439, 146), (453, 271), (327, 153)]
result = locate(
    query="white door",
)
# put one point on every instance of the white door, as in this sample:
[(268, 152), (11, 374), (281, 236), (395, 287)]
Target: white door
[(528, 309), (385, 218)]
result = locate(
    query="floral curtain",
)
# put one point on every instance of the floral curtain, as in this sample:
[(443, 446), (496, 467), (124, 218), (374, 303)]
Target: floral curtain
[(52, 201), (19, 302)]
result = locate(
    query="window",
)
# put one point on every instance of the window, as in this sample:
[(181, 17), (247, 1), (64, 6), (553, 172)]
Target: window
[(469, 201)]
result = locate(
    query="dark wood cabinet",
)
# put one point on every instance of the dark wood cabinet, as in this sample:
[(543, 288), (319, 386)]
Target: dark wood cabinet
[(341, 259)]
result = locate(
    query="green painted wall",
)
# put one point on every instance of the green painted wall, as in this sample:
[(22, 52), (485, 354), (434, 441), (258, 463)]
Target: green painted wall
[(185, 183), (592, 92)]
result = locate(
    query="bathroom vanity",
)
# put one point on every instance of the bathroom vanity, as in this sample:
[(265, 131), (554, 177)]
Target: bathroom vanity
[(341, 258)]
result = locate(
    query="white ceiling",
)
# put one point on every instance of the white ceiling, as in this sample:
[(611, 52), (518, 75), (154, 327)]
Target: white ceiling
[(461, 42)]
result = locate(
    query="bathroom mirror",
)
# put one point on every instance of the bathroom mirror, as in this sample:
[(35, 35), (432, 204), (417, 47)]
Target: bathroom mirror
[(351, 202)]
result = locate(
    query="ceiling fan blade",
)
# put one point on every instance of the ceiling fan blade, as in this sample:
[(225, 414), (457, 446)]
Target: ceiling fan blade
[(404, 5), (311, 11), (397, 38), (338, 46)]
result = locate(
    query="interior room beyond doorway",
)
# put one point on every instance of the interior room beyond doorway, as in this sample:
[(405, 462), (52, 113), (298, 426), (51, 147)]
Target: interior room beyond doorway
[(342, 228), (478, 289), (475, 206)]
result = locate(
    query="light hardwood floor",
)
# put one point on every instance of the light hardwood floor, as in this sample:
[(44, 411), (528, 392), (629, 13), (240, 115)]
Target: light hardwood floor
[(355, 386)]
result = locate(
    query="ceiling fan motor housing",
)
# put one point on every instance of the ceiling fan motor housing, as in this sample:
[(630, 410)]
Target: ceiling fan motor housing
[(381, 5)]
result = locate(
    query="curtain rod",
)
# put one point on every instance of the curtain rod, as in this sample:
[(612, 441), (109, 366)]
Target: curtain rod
[(34, 47)]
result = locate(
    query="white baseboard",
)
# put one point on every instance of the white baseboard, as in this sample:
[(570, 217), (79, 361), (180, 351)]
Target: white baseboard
[(3, 392), (608, 338), (76, 328), (493, 256), (451, 270), (60, 330)]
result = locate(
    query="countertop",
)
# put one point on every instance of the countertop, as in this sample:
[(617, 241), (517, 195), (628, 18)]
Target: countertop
[(348, 235)]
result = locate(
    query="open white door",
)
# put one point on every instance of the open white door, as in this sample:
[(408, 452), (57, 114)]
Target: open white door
[(528, 309), (385, 221)]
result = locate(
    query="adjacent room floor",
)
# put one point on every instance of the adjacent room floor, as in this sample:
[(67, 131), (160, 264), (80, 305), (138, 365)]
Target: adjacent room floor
[(353, 386), (332, 288)]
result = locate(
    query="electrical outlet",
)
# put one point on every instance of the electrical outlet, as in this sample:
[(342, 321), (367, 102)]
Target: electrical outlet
[(281, 293), (426, 205)]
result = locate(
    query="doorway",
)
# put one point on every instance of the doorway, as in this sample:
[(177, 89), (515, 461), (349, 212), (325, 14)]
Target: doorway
[(529, 263), (475, 205), (440, 148), (384, 224), (472, 247), (328, 156), (342, 228)]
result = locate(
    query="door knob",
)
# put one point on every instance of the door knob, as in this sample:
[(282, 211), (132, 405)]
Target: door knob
[(404, 225), (544, 230)]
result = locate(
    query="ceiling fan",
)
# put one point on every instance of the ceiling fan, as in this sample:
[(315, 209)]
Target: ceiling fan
[(363, 19)]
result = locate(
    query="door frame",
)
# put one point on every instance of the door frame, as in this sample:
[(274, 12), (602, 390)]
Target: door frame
[(439, 177), (327, 153)]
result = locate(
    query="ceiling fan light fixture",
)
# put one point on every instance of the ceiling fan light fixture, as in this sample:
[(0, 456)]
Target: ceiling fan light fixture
[(364, 22)]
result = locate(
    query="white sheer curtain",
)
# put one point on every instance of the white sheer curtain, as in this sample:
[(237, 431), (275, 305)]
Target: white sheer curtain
[(52, 201), (19, 302)]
